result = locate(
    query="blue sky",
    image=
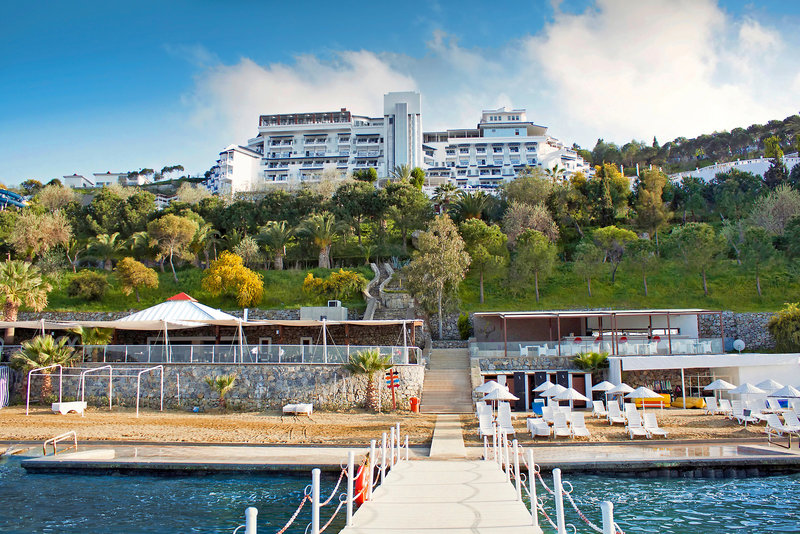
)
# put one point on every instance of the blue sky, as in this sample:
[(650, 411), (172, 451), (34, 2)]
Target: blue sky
[(97, 86)]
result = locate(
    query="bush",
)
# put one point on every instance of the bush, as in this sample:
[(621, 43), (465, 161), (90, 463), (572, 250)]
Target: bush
[(785, 328), (340, 285), (464, 326), (88, 285)]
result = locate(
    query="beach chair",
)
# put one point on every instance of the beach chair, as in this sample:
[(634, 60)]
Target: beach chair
[(795, 404), (538, 428), (775, 406), (743, 415), (485, 424), (547, 414), (560, 428), (578, 426), (298, 409), (776, 428), (651, 425), (711, 406), (483, 408), (614, 414), (634, 427), (629, 409), (791, 421), (504, 419), (725, 407), (599, 409)]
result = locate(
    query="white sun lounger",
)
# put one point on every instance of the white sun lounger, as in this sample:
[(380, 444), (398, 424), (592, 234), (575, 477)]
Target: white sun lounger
[(547, 414), (711, 406), (651, 425), (504, 419), (634, 426), (538, 428), (560, 428), (485, 424), (775, 406), (578, 426), (725, 408), (741, 415), (791, 421), (599, 409), (298, 409), (65, 407), (776, 428), (614, 414)]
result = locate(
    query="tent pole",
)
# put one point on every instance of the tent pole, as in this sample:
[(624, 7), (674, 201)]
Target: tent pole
[(405, 343), (683, 388), (324, 342), (241, 343), (166, 342), (43, 327)]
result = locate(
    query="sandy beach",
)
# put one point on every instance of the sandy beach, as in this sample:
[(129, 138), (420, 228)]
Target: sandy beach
[(327, 428)]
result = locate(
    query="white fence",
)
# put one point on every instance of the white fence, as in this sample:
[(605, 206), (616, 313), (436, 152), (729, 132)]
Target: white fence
[(5, 379)]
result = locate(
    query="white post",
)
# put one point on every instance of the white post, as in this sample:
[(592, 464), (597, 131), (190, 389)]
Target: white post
[(324, 343), (383, 458), (250, 525), (391, 447), (494, 443), (532, 484), (485, 448), (162, 388), (178, 380), (399, 445), (241, 344), (405, 342), (351, 459), (683, 388), (507, 454), (559, 496), (138, 384), (166, 341), (315, 501), (516, 470), (608, 517), (371, 465), (406, 447)]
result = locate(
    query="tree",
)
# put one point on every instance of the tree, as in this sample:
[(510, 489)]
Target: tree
[(340, 285), (204, 239), (651, 212), (438, 266), (322, 229), (73, 250), (43, 351), (521, 216), (555, 173), (401, 173), (54, 197), (94, 337), (106, 247), (358, 202), (734, 192), (222, 385), (777, 173), (36, 233), (31, 187), (417, 178), (613, 241), (535, 258), (588, 262), (369, 362), (785, 328), (409, 208), (119, 210), (444, 195), (791, 236), (698, 245), (173, 235), (756, 252), (228, 275), (486, 246), (369, 175), (531, 186), (470, 205), (773, 211), (192, 194), (608, 191), (133, 275), (690, 196), (642, 256), (249, 251), (21, 284), (275, 235)]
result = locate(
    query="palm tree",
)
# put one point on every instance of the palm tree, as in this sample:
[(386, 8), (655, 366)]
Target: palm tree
[(470, 205), (21, 283), (73, 250), (401, 173), (594, 362), (106, 247), (222, 385), (322, 229), (556, 173), (444, 195), (94, 337), (42, 351), (232, 238), (369, 362), (275, 235), (202, 241)]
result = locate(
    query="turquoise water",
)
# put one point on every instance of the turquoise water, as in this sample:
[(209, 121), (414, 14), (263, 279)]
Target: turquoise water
[(71, 504)]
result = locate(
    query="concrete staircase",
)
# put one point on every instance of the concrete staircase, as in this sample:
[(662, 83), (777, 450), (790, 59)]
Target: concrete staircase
[(447, 387)]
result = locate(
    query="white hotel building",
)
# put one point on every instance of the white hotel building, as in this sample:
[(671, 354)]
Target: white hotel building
[(300, 148)]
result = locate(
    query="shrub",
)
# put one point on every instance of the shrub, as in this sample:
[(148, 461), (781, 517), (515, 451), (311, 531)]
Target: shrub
[(464, 326), (227, 275), (88, 285), (340, 285), (785, 328)]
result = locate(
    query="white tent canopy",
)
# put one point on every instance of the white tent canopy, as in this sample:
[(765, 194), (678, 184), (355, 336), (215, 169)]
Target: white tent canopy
[(179, 308)]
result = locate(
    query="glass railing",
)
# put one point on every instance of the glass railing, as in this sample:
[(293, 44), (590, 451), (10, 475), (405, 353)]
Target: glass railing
[(570, 348), (234, 353)]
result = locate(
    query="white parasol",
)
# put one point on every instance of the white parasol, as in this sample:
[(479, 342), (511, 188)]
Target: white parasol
[(489, 386), (643, 393), (544, 386), (571, 394), (603, 386), (769, 385), (786, 392), (719, 385), (747, 389), (500, 395)]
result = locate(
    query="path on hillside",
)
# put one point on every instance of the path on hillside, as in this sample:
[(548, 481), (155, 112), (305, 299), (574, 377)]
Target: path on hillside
[(447, 387)]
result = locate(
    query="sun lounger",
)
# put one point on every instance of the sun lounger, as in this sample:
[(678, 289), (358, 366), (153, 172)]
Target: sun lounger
[(725, 408), (634, 427), (775, 406), (711, 406), (578, 426), (66, 407), (560, 428), (298, 409), (651, 425), (599, 409), (547, 414), (744, 416), (614, 414), (538, 428), (485, 424), (795, 404), (791, 421), (776, 428), (504, 419)]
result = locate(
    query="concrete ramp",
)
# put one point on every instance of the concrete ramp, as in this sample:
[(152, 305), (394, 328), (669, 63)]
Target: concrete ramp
[(447, 387)]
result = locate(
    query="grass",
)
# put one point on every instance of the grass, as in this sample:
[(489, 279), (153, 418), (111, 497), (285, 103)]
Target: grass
[(282, 290), (729, 288)]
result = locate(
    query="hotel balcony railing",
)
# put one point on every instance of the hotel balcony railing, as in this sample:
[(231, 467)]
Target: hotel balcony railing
[(570, 348), (235, 354)]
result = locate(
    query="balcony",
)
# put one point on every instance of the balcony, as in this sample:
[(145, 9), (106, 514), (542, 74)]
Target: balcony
[(570, 347)]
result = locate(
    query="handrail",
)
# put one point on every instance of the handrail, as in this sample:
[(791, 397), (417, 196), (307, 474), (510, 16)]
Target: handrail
[(82, 384), (38, 369), (139, 383), (58, 438)]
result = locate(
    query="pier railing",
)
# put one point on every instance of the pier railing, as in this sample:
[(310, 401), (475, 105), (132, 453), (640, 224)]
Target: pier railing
[(361, 482)]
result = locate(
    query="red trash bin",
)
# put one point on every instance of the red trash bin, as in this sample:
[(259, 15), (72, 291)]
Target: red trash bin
[(414, 404)]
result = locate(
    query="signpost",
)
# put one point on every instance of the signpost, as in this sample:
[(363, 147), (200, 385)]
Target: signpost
[(393, 382)]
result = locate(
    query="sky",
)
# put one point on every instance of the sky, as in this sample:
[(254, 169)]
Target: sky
[(91, 86)]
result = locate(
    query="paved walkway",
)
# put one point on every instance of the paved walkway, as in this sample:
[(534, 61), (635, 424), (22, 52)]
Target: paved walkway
[(448, 438)]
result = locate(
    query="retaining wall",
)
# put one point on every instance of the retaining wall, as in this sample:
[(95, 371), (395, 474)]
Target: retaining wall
[(750, 327)]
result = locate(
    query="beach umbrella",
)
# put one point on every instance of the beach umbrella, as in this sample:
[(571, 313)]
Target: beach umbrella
[(719, 385), (489, 386), (553, 391), (571, 394), (544, 386), (603, 386), (622, 388), (747, 389), (643, 393), (501, 395), (786, 392), (769, 385)]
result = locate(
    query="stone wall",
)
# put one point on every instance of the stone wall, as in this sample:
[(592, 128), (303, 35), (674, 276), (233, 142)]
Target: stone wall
[(257, 387), (533, 363), (749, 327), (253, 313), (450, 344)]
